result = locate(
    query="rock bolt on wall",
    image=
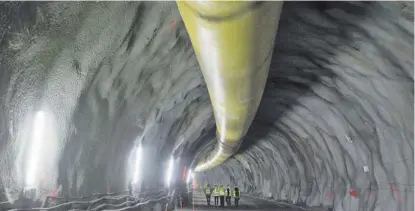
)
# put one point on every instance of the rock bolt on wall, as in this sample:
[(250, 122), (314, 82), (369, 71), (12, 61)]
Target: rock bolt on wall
[(97, 96)]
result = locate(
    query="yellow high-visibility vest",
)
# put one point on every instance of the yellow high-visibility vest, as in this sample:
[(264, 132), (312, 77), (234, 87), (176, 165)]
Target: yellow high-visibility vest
[(207, 190), (216, 191), (222, 191), (236, 194), (230, 191)]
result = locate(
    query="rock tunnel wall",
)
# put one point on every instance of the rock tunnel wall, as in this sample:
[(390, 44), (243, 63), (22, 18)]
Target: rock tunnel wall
[(114, 75), (339, 97)]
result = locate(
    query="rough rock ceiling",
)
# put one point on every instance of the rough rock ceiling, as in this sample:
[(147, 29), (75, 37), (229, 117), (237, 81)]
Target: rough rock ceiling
[(110, 76)]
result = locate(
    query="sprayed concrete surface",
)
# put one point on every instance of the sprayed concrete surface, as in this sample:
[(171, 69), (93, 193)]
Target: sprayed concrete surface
[(334, 127)]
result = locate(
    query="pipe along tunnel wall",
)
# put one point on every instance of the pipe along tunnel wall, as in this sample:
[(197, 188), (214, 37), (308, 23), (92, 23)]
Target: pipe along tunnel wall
[(110, 76)]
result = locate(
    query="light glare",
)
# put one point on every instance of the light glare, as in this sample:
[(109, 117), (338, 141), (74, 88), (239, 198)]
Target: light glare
[(170, 171), (37, 138), (189, 176), (137, 164)]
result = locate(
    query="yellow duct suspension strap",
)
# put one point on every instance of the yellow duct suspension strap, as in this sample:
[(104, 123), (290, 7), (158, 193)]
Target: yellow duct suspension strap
[(233, 42)]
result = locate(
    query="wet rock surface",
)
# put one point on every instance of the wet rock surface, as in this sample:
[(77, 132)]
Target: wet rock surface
[(334, 127)]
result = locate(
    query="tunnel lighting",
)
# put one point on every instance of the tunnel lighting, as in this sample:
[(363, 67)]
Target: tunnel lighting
[(36, 143), (170, 171), (137, 165), (189, 176)]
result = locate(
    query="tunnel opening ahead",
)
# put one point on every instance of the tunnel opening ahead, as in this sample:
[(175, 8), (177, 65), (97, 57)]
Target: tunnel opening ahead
[(122, 93)]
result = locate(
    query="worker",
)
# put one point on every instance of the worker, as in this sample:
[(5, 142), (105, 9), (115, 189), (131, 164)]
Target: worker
[(236, 195), (228, 195), (222, 195), (216, 194), (207, 193)]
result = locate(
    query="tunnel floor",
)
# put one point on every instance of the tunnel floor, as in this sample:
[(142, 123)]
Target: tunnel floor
[(246, 203)]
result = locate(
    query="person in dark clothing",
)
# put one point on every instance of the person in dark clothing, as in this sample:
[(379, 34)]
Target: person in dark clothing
[(236, 195), (208, 194), (228, 195)]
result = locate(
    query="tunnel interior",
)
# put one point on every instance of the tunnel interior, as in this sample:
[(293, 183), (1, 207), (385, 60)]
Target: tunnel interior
[(118, 93)]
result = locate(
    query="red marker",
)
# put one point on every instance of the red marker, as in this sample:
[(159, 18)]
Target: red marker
[(395, 194), (329, 195), (53, 193), (184, 173), (353, 193), (173, 24)]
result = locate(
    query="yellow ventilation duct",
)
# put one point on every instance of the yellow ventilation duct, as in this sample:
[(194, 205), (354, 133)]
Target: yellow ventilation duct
[(233, 41)]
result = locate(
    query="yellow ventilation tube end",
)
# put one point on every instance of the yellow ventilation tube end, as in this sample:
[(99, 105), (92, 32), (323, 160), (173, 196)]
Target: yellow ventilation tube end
[(233, 41)]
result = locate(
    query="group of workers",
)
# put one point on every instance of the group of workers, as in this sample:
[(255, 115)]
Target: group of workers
[(220, 194)]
